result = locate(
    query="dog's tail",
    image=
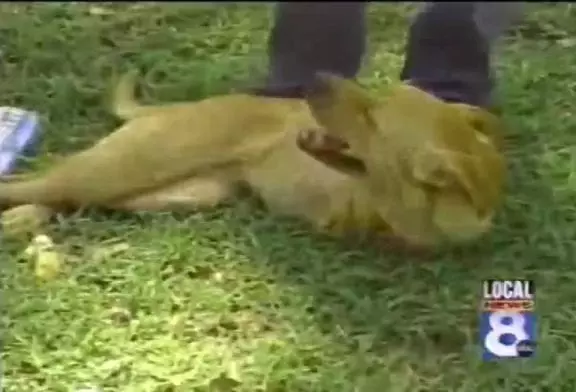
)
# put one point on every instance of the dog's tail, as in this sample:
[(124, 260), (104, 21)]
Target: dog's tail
[(124, 103)]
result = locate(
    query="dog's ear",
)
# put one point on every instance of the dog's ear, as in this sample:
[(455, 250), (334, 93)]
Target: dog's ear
[(341, 107), (479, 178)]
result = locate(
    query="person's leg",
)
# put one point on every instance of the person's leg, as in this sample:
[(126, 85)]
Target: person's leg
[(449, 46), (493, 19), (313, 36), (448, 49)]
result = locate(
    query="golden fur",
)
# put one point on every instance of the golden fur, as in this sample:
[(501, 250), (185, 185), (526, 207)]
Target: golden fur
[(407, 165)]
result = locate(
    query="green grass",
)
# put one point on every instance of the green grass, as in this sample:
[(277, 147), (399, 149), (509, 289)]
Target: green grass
[(264, 301)]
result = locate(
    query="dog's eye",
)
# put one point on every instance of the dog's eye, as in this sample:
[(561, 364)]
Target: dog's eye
[(482, 138)]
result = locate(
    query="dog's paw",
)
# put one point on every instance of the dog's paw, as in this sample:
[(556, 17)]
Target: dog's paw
[(24, 220), (317, 140), (330, 150)]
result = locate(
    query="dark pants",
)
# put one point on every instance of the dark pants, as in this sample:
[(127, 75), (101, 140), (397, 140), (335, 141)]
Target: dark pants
[(447, 53)]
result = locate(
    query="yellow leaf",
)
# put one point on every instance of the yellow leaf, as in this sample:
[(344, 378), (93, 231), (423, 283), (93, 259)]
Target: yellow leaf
[(48, 265), (177, 323)]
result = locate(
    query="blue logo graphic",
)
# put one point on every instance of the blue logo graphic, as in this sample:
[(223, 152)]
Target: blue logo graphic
[(507, 321), (507, 335)]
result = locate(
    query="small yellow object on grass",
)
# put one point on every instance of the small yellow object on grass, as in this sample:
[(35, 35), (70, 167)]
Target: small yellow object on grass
[(47, 260), (177, 324)]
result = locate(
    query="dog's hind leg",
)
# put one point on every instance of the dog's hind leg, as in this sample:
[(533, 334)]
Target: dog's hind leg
[(24, 220), (191, 194)]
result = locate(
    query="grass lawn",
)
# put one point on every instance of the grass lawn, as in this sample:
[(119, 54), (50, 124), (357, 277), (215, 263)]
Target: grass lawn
[(235, 299)]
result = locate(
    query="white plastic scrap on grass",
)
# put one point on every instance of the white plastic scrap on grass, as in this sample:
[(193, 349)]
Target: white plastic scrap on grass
[(18, 131)]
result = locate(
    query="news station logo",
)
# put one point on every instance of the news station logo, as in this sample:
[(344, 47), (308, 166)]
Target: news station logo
[(507, 322)]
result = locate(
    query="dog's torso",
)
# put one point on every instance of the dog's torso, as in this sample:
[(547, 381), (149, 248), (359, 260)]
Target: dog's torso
[(239, 140)]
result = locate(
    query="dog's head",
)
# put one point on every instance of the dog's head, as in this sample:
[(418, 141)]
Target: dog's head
[(432, 168)]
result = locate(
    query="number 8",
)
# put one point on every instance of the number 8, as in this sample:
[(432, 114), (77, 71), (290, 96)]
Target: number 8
[(498, 328)]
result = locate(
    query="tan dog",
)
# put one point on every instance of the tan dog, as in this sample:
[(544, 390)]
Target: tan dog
[(407, 165)]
